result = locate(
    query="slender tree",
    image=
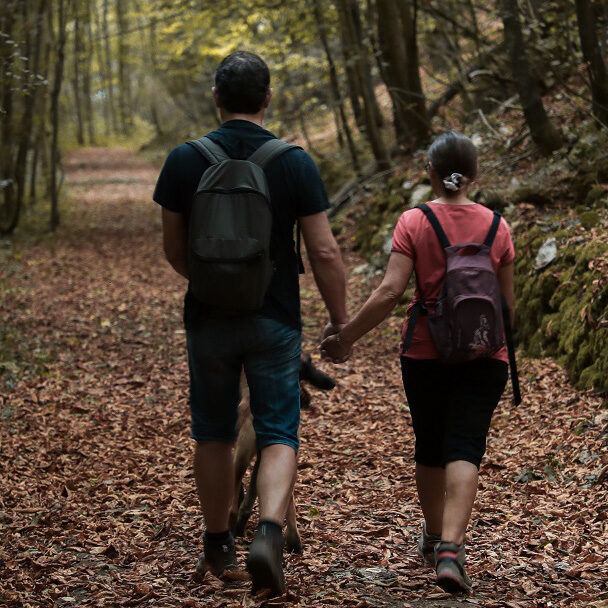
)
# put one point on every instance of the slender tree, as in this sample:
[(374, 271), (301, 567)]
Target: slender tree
[(86, 75), (63, 6), (543, 132), (76, 71), (109, 76), (33, 41), (8, 12), (124, 90), (335, 85), (415, 101), (360, 62), (593, 58)]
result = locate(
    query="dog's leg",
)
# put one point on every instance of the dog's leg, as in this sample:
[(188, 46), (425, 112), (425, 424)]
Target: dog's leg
[(241, 462), (244, 453), (292, 536), (248, 501)]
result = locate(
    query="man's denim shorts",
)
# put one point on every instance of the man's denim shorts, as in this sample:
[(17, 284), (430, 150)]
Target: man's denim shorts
[(269, 352)]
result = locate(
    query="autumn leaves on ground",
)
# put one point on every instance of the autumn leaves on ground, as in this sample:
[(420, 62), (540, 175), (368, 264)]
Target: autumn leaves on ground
[(97, 501)]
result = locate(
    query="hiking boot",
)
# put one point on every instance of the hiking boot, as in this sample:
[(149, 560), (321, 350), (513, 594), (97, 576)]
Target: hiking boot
[(217, 556), (451, 576), (426, 546), (265, 559)]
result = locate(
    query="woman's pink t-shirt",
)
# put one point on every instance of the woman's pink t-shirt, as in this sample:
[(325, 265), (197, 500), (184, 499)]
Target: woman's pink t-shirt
[(414, 237)]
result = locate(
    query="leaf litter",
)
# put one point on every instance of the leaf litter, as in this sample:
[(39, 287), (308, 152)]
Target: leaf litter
[(97, 502)]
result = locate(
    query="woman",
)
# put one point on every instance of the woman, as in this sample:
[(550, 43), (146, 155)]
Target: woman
[(451, 403)]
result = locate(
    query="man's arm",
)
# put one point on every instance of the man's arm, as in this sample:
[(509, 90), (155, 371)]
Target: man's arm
[(326, 262), (174, 241)]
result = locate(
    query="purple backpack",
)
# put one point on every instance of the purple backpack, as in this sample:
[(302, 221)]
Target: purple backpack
[(466, 322)]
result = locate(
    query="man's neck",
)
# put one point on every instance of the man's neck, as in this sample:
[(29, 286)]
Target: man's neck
[(256, 119)]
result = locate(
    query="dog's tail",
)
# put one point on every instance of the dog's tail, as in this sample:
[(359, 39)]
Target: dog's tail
[(318, 379)]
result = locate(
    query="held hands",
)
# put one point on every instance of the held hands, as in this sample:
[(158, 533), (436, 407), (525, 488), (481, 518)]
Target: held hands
[(333, 346)]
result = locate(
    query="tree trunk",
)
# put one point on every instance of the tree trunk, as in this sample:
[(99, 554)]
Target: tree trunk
[(594, 60), (543, 132), (335, 86), (41, 149), (62, 9), (108, 68), (7, 184), (352, 80), (34, 173), (362, 53), (98, 41), (76, 78), (397, 33), (393, 60), (154, 68), (360, 63), (415, 112), (86, 81), (32, 52), (124, 88)]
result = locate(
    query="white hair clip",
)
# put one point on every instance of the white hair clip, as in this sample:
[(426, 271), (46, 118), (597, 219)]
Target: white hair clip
[(454, 182)]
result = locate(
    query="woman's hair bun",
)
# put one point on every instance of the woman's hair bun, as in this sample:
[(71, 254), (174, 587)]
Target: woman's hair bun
[(454, 159)]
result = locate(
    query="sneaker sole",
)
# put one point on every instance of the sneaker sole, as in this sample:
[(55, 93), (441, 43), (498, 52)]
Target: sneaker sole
[(452, 584), (263, 575)]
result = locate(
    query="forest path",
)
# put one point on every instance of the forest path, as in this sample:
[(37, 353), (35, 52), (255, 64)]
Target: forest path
[(97, 500)]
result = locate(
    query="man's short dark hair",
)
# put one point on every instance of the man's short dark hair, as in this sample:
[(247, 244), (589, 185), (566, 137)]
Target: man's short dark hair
[(242, 81)]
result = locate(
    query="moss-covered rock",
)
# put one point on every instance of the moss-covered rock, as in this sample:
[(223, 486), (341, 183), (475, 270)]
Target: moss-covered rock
[(590, 219), (497, 201), (560, 308), (597, 196), (535, 195)]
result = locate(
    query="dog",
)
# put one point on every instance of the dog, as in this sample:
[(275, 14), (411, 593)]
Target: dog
[(246, 451)]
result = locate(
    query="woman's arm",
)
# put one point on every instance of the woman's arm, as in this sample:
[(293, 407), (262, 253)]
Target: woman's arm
[(374, 311)]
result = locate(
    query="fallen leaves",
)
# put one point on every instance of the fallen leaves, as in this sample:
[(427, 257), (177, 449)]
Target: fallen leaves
[(97, 498)]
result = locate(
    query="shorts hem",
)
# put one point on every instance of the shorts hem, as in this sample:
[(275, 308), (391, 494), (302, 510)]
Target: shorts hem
[(471, 459), (208, 438), (438, 464), (264, 443)]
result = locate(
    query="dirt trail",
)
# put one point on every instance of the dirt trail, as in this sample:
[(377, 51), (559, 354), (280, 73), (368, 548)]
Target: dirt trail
[(97, 502)]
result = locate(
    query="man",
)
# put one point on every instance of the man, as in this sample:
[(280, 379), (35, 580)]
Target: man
[(266, 344)]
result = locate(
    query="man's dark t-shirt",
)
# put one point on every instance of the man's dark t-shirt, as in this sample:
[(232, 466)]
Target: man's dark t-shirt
[(296, 189)]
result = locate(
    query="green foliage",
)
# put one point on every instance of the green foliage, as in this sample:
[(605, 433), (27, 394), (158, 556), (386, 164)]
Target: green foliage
[(562, 309)]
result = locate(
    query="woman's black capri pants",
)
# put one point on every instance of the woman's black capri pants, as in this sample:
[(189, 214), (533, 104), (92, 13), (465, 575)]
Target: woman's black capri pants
[(452, 406)]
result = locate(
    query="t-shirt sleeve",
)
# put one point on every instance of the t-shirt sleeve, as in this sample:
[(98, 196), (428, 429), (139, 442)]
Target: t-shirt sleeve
[(402, 240), (311, 196), (168, 192), (508, 250)]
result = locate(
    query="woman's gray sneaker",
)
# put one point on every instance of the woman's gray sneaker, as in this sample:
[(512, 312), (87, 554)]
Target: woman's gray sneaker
[(451, 576), (426, 546), (217, 556)]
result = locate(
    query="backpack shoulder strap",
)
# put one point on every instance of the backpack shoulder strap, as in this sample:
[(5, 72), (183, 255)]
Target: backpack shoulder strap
[(261, 157), (432, 218), (209, 150), (493, 229), (269, 151), (511, 352)]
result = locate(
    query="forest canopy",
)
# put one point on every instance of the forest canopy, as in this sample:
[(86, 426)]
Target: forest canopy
[(377, 76)]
